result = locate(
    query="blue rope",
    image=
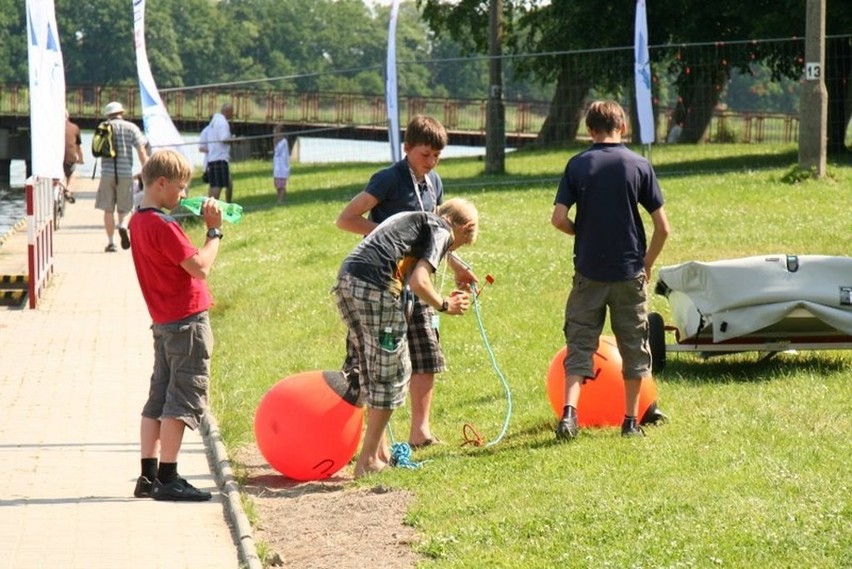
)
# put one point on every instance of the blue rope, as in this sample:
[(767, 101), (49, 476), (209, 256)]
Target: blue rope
[(401, 453), (495, 366), (401, 456)]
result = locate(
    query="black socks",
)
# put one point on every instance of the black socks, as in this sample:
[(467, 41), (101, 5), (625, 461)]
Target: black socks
[(167, 472), (149, 468)]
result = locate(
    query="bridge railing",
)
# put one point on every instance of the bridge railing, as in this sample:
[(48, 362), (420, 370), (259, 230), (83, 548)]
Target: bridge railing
[(263, 106), (193, 109)]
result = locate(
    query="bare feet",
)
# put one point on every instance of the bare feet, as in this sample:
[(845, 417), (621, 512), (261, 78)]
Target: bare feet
[(369, 466), (422, 439), (385, 454)]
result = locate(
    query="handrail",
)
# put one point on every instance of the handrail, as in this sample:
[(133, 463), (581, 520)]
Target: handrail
[(39, 236), (313, 110), (266, 106)]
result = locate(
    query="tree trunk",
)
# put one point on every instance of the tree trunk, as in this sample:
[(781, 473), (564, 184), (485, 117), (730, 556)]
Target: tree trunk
[(838, 83), (566, 110), (699, 91)]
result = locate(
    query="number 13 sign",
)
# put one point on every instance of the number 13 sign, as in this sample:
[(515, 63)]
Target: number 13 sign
[(813, 71)]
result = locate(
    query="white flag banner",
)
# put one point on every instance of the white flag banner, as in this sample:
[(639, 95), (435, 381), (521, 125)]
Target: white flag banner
[(47, 90), (642, 65), (159, 128), (391, 96)]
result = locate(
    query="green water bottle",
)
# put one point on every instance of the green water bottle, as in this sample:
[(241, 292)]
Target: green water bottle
[(386, 340), (231, 212)]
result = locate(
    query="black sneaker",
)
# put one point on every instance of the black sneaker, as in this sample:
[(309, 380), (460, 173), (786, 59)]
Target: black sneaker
[(178, 490), (110, 248), (630, 428), (143, 487), (125, 238), (567, 429), (653, 416)]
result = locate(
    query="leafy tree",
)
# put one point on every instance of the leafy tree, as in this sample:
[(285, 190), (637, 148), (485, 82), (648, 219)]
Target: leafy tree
[(557, 27), (97, 42), (321, 45), (756, 91), (546, 28), (204, 45), (13, 42), (165, 61), (838, 56)]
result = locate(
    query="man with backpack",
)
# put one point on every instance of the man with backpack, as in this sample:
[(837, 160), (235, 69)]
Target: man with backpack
[(114, 141)]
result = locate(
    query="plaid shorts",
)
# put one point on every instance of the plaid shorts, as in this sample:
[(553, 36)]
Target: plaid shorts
[(424, 347), (367, 310), (424, 340), (585, 314)]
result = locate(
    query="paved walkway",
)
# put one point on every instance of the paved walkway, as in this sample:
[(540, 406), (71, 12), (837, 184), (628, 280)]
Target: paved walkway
[(73, 378)]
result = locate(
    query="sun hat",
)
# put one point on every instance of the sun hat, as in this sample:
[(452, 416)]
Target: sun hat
[(113, 108)]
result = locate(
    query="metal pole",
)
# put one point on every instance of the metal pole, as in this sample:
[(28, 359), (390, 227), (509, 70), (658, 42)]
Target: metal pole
[(495, 125)]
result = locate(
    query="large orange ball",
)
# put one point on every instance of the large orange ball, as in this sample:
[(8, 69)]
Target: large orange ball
[(601, 397), (308, 425)]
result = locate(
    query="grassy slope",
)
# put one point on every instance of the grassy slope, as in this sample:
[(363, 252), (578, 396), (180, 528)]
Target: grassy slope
[(753, 469)]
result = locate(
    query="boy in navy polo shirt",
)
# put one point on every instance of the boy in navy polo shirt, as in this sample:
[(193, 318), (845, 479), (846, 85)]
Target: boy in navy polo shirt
[(612, 262), (412, 184)]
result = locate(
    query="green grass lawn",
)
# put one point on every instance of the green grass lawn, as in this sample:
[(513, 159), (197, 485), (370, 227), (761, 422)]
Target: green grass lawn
[(752, 470)]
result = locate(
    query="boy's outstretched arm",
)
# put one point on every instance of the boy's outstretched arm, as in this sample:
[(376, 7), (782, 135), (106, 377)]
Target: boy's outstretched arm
[(352, 217)]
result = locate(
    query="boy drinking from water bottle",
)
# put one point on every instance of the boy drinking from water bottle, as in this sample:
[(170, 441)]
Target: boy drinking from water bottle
[(172, 274)]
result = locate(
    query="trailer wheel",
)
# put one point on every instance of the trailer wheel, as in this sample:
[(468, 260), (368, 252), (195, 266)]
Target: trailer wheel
[(657, 342)]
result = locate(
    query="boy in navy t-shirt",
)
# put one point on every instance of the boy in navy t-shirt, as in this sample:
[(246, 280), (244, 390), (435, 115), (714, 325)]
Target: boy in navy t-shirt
[(612, 261)]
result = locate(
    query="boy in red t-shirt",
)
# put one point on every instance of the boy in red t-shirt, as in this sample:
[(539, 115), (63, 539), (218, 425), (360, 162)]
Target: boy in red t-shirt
[(172, 273)]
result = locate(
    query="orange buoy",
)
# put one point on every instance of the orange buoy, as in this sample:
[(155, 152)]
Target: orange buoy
[(308, 425), (601, 397)]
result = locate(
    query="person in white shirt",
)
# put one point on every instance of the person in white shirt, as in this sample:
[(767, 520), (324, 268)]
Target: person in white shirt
[(202, 147), (219, 153), (280, 163)]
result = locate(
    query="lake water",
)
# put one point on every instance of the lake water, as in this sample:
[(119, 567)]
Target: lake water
[(311, 151)]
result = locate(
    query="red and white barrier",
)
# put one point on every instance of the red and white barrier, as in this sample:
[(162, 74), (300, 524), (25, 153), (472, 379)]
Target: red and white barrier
[(39, 235)]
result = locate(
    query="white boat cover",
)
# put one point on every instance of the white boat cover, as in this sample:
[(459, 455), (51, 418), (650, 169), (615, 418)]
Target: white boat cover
[(775, 294)]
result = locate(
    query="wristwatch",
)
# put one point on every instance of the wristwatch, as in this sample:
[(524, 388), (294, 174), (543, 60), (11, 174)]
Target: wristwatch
[(444, 305), (214, 233)]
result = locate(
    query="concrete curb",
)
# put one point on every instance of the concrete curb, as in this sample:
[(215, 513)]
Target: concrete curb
[(14, 229), (217, 454)]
